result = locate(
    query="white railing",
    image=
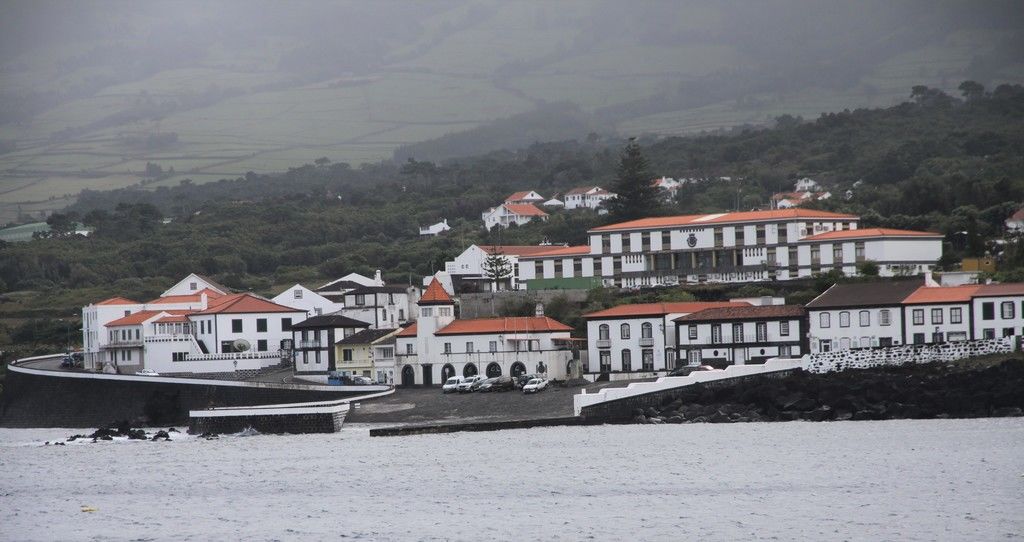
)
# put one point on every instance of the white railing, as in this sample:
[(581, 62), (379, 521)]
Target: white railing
[(604, 343), (311, 344), (169, 337), (124, 343), (233, 355), (646, 341)]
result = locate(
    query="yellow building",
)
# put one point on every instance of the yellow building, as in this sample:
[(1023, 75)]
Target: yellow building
[(354, 354)]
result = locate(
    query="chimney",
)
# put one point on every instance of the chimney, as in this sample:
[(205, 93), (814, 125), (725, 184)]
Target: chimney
[(539, 310), (203, 300), (377, 279), (929, 280)]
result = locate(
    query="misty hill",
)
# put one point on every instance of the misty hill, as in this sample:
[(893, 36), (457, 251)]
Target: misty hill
[(90, 92)]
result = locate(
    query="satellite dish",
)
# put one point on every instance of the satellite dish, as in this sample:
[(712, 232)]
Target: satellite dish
[(241, 345)]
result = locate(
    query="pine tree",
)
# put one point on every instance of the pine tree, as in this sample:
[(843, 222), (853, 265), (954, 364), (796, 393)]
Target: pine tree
[(635, 196), (497, 268)]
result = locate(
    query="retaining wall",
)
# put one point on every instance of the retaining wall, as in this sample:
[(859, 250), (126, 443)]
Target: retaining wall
[(866, 358)]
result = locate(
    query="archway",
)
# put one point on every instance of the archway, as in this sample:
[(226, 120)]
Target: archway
[(408, 376), (493, 370), (447, 372), (469, 370), (517, 369)]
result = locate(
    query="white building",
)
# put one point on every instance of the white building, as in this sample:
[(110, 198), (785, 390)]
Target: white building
[(637, 340), (741, 335), (438, 346), (997, 311), (300, 297), (1015, 223), (525, 197), (508, 214), (668, 186), (806, 184), (779, 244), (435, 229), (859, 315), (587, 197), (336, 289), (468, 271), (933, 314), (313, 344), (554, 203), (382, 306)]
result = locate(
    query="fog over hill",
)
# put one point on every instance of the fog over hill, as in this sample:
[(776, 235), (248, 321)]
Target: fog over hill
[(92, 92)]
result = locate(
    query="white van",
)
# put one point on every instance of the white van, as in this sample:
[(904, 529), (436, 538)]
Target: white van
[(452, 384)]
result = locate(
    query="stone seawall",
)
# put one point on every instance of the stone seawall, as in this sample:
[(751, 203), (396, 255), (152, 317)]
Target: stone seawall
[(321, 422), (38, 400)]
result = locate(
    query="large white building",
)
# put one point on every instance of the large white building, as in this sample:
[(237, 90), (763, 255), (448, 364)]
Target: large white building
[(468, 270), (741, 335), (381, 306), (779, 244), (638, 340), (438, 345), (300, 297), (587, 197)]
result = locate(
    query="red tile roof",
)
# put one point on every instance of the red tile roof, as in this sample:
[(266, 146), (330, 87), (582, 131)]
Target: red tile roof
[(408, 332), (942, 294), (725, 218), (868, 233), (661, 309), (993, 290), (435, 295), (117, 301), (560, 251), (520, 196), (581, 190), (790, 195), (524, 209), (1018, 216), (171, 318), (133, 319), (514, 324), (744, 313), (187, 298), (517, 250), (244, 303)]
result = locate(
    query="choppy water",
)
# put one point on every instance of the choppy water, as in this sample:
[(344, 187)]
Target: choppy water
[(893, 480)]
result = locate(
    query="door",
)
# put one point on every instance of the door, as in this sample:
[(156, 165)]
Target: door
[(739, 356), (408, 376), (428, 375)]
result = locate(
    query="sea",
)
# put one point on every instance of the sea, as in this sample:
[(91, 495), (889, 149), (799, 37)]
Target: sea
[(958, 480)]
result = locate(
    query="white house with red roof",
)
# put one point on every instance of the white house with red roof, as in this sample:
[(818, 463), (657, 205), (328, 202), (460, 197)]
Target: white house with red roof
[(508, 214), (1015, 223), (587, 197), (638, 340), (439, 346), (526, 196)]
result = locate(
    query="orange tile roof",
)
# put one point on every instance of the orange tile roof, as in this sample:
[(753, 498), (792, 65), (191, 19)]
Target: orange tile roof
[(244, 303), (942, 294), (512, 324), (790, 195), (868, 232), (520, 196), (992, 290), (661, 309), (408, 332), (187, 298), (435, 295), (117, 301), (524, 209), (560, 251), (1018, 215), (516, 250), (581, 190), (725, 218), (133, 319), (171, 318)]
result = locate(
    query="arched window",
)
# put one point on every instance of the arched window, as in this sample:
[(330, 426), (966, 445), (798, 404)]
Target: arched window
[(493, 370), (624, 331), (517, 369), (602, 332), (627, 359), (646, 330), (447, 372), (469, 370)]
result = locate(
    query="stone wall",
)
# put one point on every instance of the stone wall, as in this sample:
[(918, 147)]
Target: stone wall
[(323, 422), (865, 358)]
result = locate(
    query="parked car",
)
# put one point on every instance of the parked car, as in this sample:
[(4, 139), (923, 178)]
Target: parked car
[(685, 370), (466, 385), (452, 384), (535, 385), (361, 380), (478, 385), (521, 380), (147, 372), (67, 363), (501, 383)]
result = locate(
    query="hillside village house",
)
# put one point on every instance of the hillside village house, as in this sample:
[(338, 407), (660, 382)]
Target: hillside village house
[(508, 214), (1015, 223), (300, 297), (435, 229), (668, 186), (527, 197), (554, 203), (336, 289), (587, 197), (724, 336), (358, 354), (382, 306), (438, 345), (781, 244), (314, 339), (638, 340)]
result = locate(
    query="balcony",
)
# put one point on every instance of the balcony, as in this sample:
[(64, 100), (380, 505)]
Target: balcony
[(646, 341), (604, 343), (124, 343), (310, 345)]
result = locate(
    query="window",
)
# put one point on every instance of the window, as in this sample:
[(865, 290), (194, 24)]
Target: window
[(408, 348), (346, 354), (286, 324), (918, 317), (989, 334), (919, 338), (647, 359), (193, 286), (693, 332), (236, 325), (624, 331), (937, 316), (761, 329), (627, 360), (844, 319), (179, 356), (646, 330), (988, 311), (784, 329), (1006, 309), (261, 345), (737, 333), (606, 361), (360, 299), (469, 347), (447, 348), (1007, 332), (785, 351), (297, 294), (401, 315), (716, 333), (825, 345), (427, 311), (884, 317), (493, 345), (825, 319), (602, 332), (956, 315), (444, 311), (261, 325), (865, 318)]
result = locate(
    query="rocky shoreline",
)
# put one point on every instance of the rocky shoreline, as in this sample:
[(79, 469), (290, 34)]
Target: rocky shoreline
[(908, 391)]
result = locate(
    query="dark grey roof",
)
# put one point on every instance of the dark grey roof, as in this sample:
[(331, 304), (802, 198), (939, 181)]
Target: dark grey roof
[(339, 285), (865, 294), (365, 336), (365, 290), (337, 298), (329, 321), (215, 284)]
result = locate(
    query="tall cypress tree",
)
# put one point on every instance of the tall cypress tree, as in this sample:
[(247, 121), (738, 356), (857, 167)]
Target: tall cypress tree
[(635, 197)]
